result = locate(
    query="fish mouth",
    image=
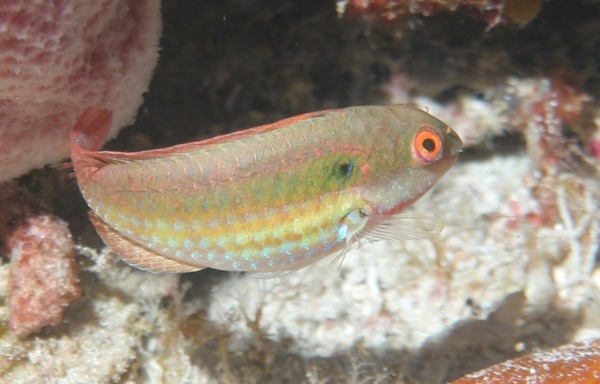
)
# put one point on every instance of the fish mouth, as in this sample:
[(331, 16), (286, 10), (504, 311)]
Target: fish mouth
[(453, 143)]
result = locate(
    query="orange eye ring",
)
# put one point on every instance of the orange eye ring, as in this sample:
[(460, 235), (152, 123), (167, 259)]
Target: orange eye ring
[(427, 146)]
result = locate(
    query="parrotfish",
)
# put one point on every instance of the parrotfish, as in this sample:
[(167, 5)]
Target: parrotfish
[(273, 198)]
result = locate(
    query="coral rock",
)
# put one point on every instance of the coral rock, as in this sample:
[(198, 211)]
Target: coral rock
[(578, 362), (43, 275)]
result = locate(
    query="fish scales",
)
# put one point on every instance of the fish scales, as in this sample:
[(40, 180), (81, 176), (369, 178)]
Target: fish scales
[(274, 198)]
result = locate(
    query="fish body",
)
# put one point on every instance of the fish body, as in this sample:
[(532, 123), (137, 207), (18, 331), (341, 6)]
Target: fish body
[(272, 198)]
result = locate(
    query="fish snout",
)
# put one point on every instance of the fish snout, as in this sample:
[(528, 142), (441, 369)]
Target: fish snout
[(453, 145)]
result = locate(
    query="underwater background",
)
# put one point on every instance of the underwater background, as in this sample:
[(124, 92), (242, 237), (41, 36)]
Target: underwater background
[(513, 272)]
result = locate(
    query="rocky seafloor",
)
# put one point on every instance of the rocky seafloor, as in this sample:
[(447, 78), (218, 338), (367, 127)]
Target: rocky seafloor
[(513, 271)]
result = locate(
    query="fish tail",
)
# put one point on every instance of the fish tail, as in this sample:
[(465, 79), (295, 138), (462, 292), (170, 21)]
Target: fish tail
[(91, 130), (87, 136)]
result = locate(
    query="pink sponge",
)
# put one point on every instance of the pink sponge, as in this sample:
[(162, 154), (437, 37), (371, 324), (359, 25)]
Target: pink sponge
[(58, 57)]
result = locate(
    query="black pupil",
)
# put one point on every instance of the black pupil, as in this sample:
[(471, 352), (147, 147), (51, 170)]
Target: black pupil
[(346, 169), (429, 145)]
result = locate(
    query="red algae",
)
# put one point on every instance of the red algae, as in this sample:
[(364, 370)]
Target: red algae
[(492, 12), (43, 273), (549, 115)]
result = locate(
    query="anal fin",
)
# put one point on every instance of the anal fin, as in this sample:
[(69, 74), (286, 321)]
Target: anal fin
[(135, 254)]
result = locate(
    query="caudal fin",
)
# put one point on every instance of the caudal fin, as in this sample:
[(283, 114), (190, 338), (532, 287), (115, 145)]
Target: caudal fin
[(91, 129)]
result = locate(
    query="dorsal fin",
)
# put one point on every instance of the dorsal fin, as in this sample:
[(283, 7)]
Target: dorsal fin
[(125, 157)]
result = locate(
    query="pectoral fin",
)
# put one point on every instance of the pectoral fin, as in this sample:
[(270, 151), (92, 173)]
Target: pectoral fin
[(403, 226), (137, 255)]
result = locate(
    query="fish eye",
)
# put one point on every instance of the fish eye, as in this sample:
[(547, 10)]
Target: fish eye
[(427, 146)]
